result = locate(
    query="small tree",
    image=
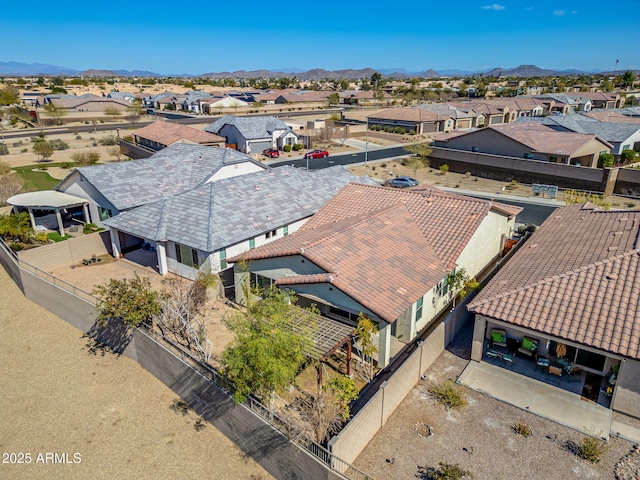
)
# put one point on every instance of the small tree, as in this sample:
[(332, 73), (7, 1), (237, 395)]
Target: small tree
[(112, 112), (43, 149), (55, 112), (131, 300), (365, 331), (266, 354), (115, 152), (333, 99), (422, 150), (461, 284), (416, 164)]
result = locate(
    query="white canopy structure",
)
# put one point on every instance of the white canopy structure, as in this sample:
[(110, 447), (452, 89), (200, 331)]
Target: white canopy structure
[(49, 200)]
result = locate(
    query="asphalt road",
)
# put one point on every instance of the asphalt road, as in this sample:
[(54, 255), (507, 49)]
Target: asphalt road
[(348, 159)]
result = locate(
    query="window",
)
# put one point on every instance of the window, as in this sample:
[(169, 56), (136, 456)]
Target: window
[(528, 156), (271, 234), (252, 243), (553, 159), (104, 213), (474, 149), (261, 282), (285, 230), (223, 259), (418, 310), (187, 256)]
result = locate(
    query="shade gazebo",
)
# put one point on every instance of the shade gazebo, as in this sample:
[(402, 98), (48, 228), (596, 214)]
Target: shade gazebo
[(49, 200)]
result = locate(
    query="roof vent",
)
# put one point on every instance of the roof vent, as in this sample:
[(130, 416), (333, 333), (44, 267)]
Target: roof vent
[(612, 276), (533, 245), (612, 249), (257, 187), (616, 234), (401, 291)]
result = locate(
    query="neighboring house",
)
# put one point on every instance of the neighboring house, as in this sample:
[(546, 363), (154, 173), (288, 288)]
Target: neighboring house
[(495, 111), (575, 282), (416, 120), (253, 134), (385, 253), (81, 104), (464, 118), (602, 100), (623, 115), (127, 96), (567, 103), (215, 220), (117, 187), (211, 104), (161, 134), (621, 136), (532, 141)]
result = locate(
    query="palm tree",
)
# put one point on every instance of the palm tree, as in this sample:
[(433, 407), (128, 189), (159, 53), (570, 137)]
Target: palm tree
[(16, 226)]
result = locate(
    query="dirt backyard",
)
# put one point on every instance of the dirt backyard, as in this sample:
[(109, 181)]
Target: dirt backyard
[(103, 415)]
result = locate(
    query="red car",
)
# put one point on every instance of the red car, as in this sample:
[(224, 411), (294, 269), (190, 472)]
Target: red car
[(317, 154), (271, 153)]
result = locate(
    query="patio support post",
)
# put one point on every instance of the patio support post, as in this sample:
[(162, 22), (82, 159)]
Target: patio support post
[(349, 357), (115, 242), (478, 338), (60, 224), (384, 346), (32, 218), (85, 211), (161, 252)]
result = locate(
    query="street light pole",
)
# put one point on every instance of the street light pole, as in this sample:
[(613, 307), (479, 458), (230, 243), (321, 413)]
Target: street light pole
[(366, 143)]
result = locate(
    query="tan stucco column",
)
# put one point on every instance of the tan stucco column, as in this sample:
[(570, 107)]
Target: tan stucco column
[(384, 345), (478, 338)]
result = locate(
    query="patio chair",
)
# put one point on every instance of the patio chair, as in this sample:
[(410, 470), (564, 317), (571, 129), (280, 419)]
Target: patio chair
[(528, 348), (498, 337), (557, 371)]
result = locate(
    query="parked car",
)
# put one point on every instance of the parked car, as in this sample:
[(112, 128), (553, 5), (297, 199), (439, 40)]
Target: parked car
[(271, 153), (401, 182), (316, 154)]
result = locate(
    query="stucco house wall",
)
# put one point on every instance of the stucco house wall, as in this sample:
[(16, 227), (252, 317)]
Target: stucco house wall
[(78, 186)]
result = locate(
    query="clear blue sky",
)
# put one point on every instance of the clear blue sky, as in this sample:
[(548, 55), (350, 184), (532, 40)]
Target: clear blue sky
[(212, 36)]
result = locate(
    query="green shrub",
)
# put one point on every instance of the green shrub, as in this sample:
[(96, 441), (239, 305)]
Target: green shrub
[(108, 142), (17, 144), (445, 471), (16, 246), (412, 132), (591, 449), (399, 130), (521, 428), (444, 169), (59, 144), (78, 137), (4, 168), (605, 160), (24, 150), (297, 147), (4, 150), (383, 165), (627, 156), (448, 394), (287, 148)]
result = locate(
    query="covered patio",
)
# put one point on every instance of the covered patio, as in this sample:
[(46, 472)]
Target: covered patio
[(538, 397), (53, 201)]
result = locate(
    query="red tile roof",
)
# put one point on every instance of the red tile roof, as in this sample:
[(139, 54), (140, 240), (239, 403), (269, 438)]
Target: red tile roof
[(168, 133), (543, 139), (409, 115), (577, 278), (383, 247)]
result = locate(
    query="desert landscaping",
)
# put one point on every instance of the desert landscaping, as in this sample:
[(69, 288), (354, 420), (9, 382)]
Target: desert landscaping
[(67, 397)]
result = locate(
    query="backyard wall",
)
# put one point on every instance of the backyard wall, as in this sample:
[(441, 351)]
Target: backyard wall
[(627, 182), (266, 445), (503, 168), (627, 396)]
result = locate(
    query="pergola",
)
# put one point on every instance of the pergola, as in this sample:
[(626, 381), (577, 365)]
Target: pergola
[(328, 336), (49, 200)]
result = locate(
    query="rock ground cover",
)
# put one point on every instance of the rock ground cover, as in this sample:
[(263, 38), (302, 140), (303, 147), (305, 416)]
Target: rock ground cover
[(480, 437)]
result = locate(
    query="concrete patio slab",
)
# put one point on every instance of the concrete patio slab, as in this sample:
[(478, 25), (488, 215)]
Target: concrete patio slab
[(547, 401), (625, 431)]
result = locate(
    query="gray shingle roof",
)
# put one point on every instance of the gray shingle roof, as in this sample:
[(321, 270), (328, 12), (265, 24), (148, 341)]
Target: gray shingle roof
[(227, 211), (171, 171), (250, 127), (609, 131)]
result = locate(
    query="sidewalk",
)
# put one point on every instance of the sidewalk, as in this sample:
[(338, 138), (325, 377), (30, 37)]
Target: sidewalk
[(499, 195)]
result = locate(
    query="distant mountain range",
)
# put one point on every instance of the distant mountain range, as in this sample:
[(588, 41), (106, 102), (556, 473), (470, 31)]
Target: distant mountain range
[(34, 69)]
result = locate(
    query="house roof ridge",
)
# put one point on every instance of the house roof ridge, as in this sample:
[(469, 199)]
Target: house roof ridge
[(552, 278)]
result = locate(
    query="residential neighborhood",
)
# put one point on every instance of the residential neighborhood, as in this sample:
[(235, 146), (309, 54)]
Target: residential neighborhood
[(344, 274)]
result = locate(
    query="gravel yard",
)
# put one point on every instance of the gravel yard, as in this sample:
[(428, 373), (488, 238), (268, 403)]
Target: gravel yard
[(60, 396), (479, 437)]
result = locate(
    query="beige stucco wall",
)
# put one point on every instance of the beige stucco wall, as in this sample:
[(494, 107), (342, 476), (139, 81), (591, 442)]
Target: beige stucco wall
[(627, 393)]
